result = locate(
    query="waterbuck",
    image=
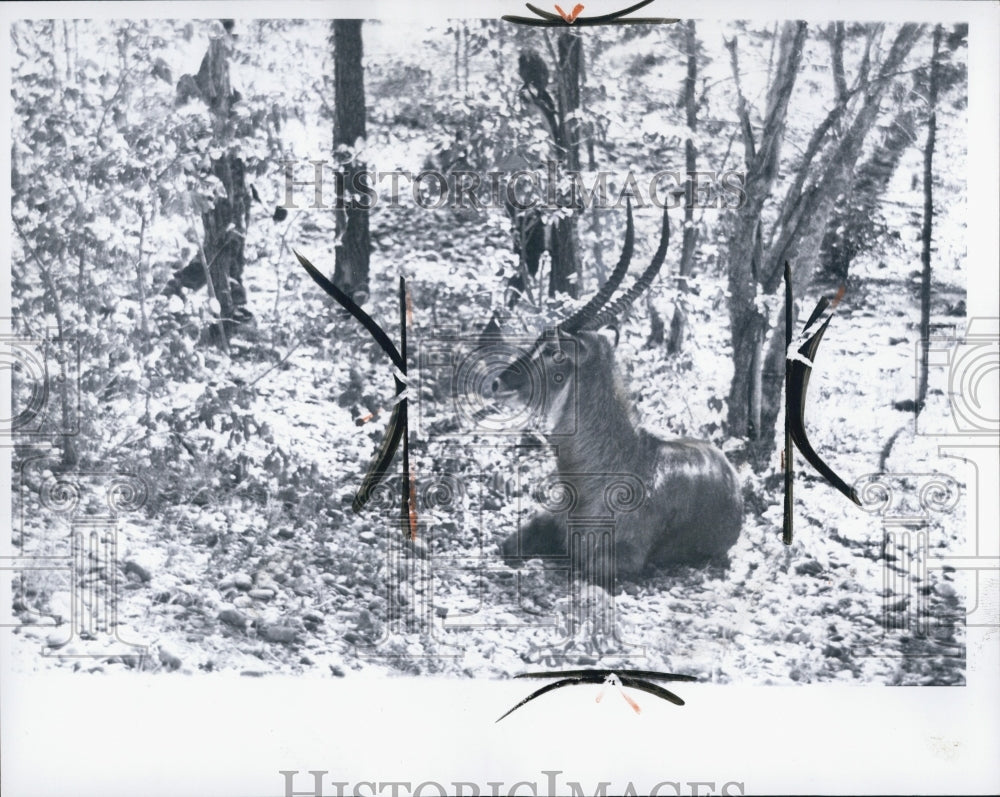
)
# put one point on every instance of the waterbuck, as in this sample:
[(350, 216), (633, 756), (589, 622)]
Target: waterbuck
[(626, 498)]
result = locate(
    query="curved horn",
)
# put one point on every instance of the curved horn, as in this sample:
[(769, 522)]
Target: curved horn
[(583, 315), (614, 310)]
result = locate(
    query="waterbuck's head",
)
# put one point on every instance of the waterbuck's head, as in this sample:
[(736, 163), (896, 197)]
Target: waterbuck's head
[(578, 351)]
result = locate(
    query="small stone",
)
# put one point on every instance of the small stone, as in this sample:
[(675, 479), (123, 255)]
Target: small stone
[(369, 537), (234, 618), (242, 581), (809, 568), (133, 568), (261, 594), (56, 639), (169, 660), (265, 581), (278, 633), (833, 651)]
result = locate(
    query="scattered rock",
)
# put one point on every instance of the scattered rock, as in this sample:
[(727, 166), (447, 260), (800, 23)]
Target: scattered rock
[(261, 594), (277, 632), (795, 635), (809, 568), (169, 660), (265, 581), (242, 581), (233, 617), (133, 568)]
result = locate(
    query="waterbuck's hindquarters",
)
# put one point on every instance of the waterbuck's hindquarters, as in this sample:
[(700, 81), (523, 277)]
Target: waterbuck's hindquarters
[(695, 507), (691, 514)]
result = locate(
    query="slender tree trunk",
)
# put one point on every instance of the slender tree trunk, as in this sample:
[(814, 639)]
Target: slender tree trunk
[(745, 255), (565, 255), (226, 221), (808, 220), (679, 321), (925, 255), (813, 206), (852, 230), (353, 246)]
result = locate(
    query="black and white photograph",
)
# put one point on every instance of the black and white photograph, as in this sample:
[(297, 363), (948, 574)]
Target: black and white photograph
[(500, 399)]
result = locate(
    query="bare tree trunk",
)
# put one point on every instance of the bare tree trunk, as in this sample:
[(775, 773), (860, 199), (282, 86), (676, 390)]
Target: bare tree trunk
[(565, 255), (808, 219), (852, 230), (925, 255), (679, 321), (353, 245), (802, 213), (226, 221), (746, 321)]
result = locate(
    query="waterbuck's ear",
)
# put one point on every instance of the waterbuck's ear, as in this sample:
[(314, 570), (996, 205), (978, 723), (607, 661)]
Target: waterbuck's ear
[(610, 334)]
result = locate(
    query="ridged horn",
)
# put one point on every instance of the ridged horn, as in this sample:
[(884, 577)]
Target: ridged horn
[(611, 312), (579, 319)]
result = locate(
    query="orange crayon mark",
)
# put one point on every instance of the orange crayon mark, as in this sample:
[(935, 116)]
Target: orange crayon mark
[(572, 15), (631, 702), (413, 507), (840, 295)]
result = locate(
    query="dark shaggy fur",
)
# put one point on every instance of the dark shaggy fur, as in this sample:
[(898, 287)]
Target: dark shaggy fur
[(668, 501)]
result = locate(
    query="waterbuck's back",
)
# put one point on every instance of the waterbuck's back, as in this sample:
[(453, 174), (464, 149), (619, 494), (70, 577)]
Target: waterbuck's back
[(694, 508)]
